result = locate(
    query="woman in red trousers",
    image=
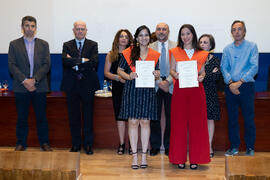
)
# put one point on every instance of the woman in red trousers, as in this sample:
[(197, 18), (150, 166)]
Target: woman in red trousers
[(188, 106)]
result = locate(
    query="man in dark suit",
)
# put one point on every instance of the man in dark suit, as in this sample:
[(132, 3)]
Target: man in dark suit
[(80, 81), (29, 62)]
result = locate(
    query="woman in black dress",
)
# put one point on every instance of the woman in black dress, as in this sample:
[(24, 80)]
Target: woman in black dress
[(122, 40), (213, 73), (138, 104)]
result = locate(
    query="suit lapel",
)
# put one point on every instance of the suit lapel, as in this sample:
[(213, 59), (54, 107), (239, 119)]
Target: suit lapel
[(74, 45), (84, 46), (74, 48), (35, 53), (24, 52)]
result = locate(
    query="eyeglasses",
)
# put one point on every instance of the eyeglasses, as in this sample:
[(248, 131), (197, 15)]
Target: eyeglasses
[(80, 29)]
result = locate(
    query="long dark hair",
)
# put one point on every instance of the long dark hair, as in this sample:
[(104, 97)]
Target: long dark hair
[(180, 43), (135, 51), (115, 46)]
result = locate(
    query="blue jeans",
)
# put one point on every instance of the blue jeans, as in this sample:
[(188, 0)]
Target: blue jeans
[(245, 100), (38, 101)]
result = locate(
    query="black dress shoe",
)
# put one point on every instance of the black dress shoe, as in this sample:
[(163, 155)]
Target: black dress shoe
[(88, 150), (181, 166), (154, 151), (167, 151), (45, 147), (75, 149), (193, 166), (19, 148)]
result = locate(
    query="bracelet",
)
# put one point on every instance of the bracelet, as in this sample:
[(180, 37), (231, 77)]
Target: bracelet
[(116, 78), (242, 81)]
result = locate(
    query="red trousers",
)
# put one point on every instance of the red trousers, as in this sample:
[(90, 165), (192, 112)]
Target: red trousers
[(189, 126)]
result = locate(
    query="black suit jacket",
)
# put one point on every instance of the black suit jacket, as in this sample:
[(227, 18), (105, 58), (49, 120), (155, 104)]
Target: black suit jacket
[(19, 66), (88, 69)]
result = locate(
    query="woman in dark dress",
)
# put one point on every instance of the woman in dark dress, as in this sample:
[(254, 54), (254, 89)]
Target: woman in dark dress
[(138, 104), (122, 40), (213, 73)]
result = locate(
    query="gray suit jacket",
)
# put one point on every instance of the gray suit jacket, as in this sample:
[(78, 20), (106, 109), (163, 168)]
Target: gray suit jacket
[(171, 44), (19, 66)]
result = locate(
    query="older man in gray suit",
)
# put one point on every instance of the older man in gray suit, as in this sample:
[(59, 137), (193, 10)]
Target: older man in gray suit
[(164, 89), (29, 62)]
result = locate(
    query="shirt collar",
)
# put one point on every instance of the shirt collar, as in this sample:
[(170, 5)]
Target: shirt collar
[(77, 41), (240, 45), (26, 40), (165, 43)]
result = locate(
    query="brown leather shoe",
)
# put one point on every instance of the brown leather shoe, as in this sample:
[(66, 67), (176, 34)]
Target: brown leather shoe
[(19, 148), (45, 147)]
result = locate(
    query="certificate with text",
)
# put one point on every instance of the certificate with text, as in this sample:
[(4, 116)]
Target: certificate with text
[(144, 70), (188, 74)]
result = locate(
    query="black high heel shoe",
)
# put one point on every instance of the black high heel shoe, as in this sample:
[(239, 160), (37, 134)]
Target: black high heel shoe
[(212, 155), (135, 166), (121, 149), (181, 166), (143, 166), (193, 166)]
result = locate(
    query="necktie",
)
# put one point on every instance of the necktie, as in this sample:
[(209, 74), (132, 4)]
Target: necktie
[(80, 48), (163, 61), (79, 75)]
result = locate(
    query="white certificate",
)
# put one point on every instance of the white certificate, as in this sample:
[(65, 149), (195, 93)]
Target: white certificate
[(188, 74), (144, 70)]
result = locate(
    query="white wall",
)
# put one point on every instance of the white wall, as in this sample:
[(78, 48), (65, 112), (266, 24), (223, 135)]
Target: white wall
[(105, 17)]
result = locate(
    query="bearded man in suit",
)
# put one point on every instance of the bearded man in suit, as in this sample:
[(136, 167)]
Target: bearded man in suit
[(164, 89)]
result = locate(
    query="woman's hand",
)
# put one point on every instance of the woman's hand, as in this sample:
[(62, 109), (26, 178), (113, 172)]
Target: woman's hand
[(175, 75), (132, 75), (121, 79), (215, 70), (200, 78), (156, 73), (201, 75)]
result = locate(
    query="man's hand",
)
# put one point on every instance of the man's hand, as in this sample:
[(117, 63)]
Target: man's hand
[(29, 84), (164, 85), (85, 59), (234, 87), (68, 56), (32, 89)]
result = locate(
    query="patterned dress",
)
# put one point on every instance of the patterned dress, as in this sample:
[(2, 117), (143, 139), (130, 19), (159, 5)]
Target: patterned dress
[(209, 83), (138, 103)]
